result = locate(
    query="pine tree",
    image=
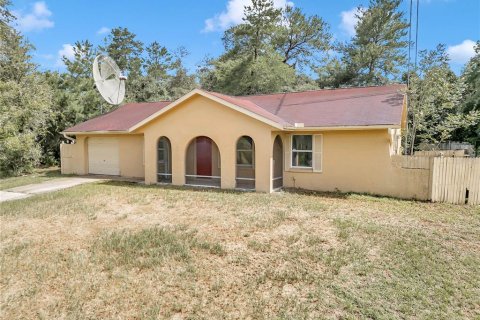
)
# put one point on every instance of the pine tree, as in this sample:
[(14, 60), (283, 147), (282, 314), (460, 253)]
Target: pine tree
[(254, 36), (300, 39), (376, 54)]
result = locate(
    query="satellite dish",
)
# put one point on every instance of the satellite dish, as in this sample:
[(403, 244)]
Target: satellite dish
[(108, 79)]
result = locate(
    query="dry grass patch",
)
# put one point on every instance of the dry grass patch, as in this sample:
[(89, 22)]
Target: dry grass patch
[(40, 175), (120, 250)]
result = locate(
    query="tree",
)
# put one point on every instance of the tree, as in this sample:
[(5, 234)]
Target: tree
[(81, 65), (245, 75), (258, 52), (253, 36), (157, 66), (471, 77), (435, 99), (376, 53), (158, 61), (181, 82), (24, 101), (378, 47), (299, 38), (77, 83), (124, 48)]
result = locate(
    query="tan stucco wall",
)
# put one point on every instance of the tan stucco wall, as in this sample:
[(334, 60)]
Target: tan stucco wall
[(199, 116), (359, 161), (74, 157)]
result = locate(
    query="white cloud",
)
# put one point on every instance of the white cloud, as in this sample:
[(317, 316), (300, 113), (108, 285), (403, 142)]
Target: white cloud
[(103, 30), (233, 14), (37, 20), (67, 52), (349, 20), (462, 52)]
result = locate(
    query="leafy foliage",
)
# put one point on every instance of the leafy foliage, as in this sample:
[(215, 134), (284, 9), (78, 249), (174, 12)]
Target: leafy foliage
[(471, 101), (24, 103), (435, 100), (376, 52)]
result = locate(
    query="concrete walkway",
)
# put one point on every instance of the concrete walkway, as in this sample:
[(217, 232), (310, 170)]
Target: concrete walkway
[(43, 187)]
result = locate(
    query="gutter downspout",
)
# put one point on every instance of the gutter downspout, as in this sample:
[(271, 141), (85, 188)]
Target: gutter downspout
[(68, 138)]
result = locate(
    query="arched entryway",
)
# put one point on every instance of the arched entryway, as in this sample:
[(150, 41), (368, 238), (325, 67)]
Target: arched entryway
[(202, 163), (245, 163), (277, 178), (164, 160)]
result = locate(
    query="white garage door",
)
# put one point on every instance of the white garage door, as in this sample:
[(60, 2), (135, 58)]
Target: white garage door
[(103, 156)]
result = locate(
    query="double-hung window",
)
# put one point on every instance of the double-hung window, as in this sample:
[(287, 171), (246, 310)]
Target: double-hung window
[(302, 151)]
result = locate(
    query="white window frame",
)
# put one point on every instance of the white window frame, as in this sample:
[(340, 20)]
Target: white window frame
[(306, 151)]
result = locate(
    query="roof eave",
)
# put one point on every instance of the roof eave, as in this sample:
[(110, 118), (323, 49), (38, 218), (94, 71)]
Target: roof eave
[(96, 132), (335, 128)]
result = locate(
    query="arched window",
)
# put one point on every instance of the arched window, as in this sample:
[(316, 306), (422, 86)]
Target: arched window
[(164, 161), (245, 151), (245, 173), (277, 178)]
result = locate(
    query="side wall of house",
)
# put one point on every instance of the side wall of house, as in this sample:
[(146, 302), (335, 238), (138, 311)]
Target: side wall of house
[(74, 157), (358, 161), (199, 116)]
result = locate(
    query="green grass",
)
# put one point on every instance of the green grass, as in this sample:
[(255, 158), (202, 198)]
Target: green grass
[(123, 250), (39, 176)]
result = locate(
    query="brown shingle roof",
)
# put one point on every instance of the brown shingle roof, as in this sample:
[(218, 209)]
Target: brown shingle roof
[(368, 106), (120, 119), (250, 106)]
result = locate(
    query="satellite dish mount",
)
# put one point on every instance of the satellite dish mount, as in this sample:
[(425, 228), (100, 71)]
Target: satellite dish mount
[(109, 80)]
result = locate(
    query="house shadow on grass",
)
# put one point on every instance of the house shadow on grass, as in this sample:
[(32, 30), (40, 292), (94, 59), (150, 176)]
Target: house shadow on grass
[(293, 191), (133, 184)]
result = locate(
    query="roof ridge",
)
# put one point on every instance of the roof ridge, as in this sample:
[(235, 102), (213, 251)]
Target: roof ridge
[(248, 101), (340, 98), (314, 90)]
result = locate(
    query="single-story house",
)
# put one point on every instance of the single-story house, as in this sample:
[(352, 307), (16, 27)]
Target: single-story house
[(334, 139)]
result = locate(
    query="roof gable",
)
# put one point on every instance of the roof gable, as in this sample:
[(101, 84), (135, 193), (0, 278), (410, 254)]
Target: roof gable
[(247, 108)]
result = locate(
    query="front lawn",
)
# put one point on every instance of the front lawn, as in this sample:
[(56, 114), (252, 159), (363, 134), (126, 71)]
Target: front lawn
[(39, 176), (127, 251)]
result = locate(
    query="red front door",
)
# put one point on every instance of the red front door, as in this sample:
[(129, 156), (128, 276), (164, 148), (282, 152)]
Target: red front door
[(204, 156)]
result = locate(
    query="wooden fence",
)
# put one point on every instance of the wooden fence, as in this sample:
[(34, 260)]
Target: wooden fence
[(441, 153), (456, 180)]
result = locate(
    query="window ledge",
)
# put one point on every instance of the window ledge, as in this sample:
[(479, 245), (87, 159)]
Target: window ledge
[(305, 170)]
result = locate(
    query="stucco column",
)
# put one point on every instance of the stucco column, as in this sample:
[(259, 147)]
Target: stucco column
[(179, 155), (263, 163), (150, 159), (228, 161), (81, 152)]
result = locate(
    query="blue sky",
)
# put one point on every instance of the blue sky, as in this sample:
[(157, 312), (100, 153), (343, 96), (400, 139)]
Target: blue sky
[(54, 25)]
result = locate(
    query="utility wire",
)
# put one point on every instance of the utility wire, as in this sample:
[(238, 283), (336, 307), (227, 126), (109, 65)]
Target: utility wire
[(405, 147), (416, 36), (409, 44)]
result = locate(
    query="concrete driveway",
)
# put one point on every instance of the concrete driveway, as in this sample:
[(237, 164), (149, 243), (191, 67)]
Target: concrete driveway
[(43, 187)]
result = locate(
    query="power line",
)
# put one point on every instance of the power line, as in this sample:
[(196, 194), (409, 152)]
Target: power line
[(416, 36), (409, 44)]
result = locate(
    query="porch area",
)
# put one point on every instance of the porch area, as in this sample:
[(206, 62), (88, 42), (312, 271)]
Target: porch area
[(204, 163)]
